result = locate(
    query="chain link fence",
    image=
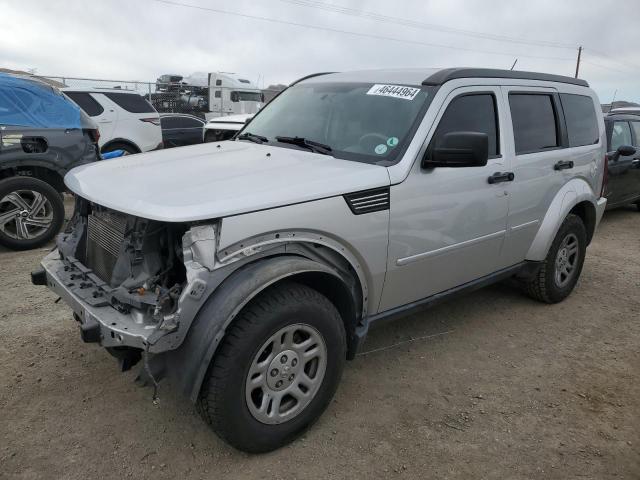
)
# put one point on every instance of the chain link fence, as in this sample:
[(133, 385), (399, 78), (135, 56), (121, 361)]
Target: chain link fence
[(166, 96)]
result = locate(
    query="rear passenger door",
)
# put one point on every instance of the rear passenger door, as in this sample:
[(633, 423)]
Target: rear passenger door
[(540, 159), (447, 224), (105, 118)]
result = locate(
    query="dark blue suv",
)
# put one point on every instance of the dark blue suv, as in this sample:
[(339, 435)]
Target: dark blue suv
[(43, 135)]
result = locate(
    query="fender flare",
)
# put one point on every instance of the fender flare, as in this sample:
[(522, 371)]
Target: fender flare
[(571, 194), (188, 364)]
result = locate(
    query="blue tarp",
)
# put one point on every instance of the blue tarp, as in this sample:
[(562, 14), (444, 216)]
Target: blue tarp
[(30, 103)]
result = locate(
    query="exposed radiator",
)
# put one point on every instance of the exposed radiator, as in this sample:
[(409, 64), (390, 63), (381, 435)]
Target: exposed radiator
[(104, 238)]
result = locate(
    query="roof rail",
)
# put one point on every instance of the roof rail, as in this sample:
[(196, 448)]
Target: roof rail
[(310, 76), (449, 74)]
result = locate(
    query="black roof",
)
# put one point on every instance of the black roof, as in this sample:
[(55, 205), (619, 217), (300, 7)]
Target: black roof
[(448, 74)]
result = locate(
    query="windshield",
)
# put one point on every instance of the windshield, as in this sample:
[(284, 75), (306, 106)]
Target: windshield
[(365, 122)]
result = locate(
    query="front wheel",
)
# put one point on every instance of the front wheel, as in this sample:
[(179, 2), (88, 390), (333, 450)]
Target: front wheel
[(560, 271), (276, 369), (31, 212)]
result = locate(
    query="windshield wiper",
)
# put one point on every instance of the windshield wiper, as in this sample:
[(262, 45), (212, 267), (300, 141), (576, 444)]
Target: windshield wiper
[(252, 137), (315, 147)]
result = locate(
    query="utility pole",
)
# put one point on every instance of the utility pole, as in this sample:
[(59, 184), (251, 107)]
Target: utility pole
[(514, 64), (578, 62)]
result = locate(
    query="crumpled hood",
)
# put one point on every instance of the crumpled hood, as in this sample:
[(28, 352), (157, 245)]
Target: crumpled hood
[(215, 180)]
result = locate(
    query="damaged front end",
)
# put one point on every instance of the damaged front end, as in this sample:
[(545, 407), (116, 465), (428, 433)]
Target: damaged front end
[(125, 278)]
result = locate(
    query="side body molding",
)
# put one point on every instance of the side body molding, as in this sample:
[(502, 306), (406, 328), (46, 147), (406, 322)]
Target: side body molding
[(571, 194), (187, 365)]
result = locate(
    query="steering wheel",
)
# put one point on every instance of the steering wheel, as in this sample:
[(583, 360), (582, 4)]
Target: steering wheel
[(370, 140)]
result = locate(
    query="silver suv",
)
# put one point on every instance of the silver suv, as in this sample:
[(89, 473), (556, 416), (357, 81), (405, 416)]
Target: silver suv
[(248, 271)]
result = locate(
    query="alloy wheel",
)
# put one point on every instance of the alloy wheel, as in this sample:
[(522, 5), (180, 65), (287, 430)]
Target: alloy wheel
[(286, 373), (25, 214), (566, 260)]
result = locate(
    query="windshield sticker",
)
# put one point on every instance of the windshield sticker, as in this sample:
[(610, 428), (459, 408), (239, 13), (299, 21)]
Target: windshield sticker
[(395, 91), (381, 149), (392, 141)]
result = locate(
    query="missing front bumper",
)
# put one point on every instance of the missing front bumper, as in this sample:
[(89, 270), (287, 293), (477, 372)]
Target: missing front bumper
[(99, 321)]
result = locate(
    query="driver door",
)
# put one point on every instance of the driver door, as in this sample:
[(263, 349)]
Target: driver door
[(448, 224)]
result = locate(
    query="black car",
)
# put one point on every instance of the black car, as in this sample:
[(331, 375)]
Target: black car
[(179, 129), (623, 147), (43, 135)]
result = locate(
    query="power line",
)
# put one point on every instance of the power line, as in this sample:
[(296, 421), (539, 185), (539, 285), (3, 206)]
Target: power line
[(606, 67), (357, 34), (425, 26), (608, 58), (440, 28)]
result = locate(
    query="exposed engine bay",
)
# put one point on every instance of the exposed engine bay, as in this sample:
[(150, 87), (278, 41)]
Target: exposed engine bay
[(138, 262)]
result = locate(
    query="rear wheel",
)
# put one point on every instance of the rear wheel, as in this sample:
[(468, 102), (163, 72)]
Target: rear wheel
[(560, 271), (276, 369), (31, 212)]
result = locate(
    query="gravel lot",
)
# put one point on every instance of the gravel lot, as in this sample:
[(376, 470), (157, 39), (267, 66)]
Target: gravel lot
[(501, 387)]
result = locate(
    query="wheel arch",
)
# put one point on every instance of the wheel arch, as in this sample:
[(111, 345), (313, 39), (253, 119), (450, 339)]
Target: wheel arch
[(120, 141), (188, 364), (575, 197), (40, 170)]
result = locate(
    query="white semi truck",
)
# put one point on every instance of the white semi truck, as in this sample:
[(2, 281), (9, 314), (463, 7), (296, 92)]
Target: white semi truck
[(208, 95)]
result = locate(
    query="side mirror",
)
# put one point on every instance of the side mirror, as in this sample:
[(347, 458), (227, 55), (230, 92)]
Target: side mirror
[(459, 149), (622, 151)]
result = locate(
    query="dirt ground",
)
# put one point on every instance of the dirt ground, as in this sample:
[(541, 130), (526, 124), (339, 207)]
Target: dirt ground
[(490, 386)]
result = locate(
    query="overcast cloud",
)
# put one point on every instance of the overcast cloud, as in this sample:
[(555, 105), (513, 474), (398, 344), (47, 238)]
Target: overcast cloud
[(142, 39)]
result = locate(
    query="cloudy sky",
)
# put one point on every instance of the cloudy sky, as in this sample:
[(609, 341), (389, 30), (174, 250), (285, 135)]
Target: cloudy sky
[(142, 39)]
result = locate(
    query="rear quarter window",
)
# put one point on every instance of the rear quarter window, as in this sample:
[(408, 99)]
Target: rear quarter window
[(86, 102), (131, 102), (582, 123), (535, 123)]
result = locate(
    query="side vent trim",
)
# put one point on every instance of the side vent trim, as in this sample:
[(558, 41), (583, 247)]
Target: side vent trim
[(369, 201)]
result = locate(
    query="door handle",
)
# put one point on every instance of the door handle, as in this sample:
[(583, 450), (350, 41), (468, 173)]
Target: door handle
[(563, 165), (500, 177)]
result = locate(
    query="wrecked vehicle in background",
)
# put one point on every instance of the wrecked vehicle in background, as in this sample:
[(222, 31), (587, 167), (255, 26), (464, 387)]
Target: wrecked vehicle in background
[(249, 271), (43, 135)]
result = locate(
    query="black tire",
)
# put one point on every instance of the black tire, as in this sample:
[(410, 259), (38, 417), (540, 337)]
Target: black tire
[(544, 285), (638, 206), (222, 399), (41, 236), (128, 149)]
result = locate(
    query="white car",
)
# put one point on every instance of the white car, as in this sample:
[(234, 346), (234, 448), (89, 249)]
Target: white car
[(224, 128), (125, 119)]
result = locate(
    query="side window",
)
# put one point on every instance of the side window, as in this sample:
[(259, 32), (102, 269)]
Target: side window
[(131, 102), (635, 126), (190, 123), (470, 113), (169, 122), (620, 135), (86, 102), (218, 83), (218, 94), (535, 126), (580, 115)]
